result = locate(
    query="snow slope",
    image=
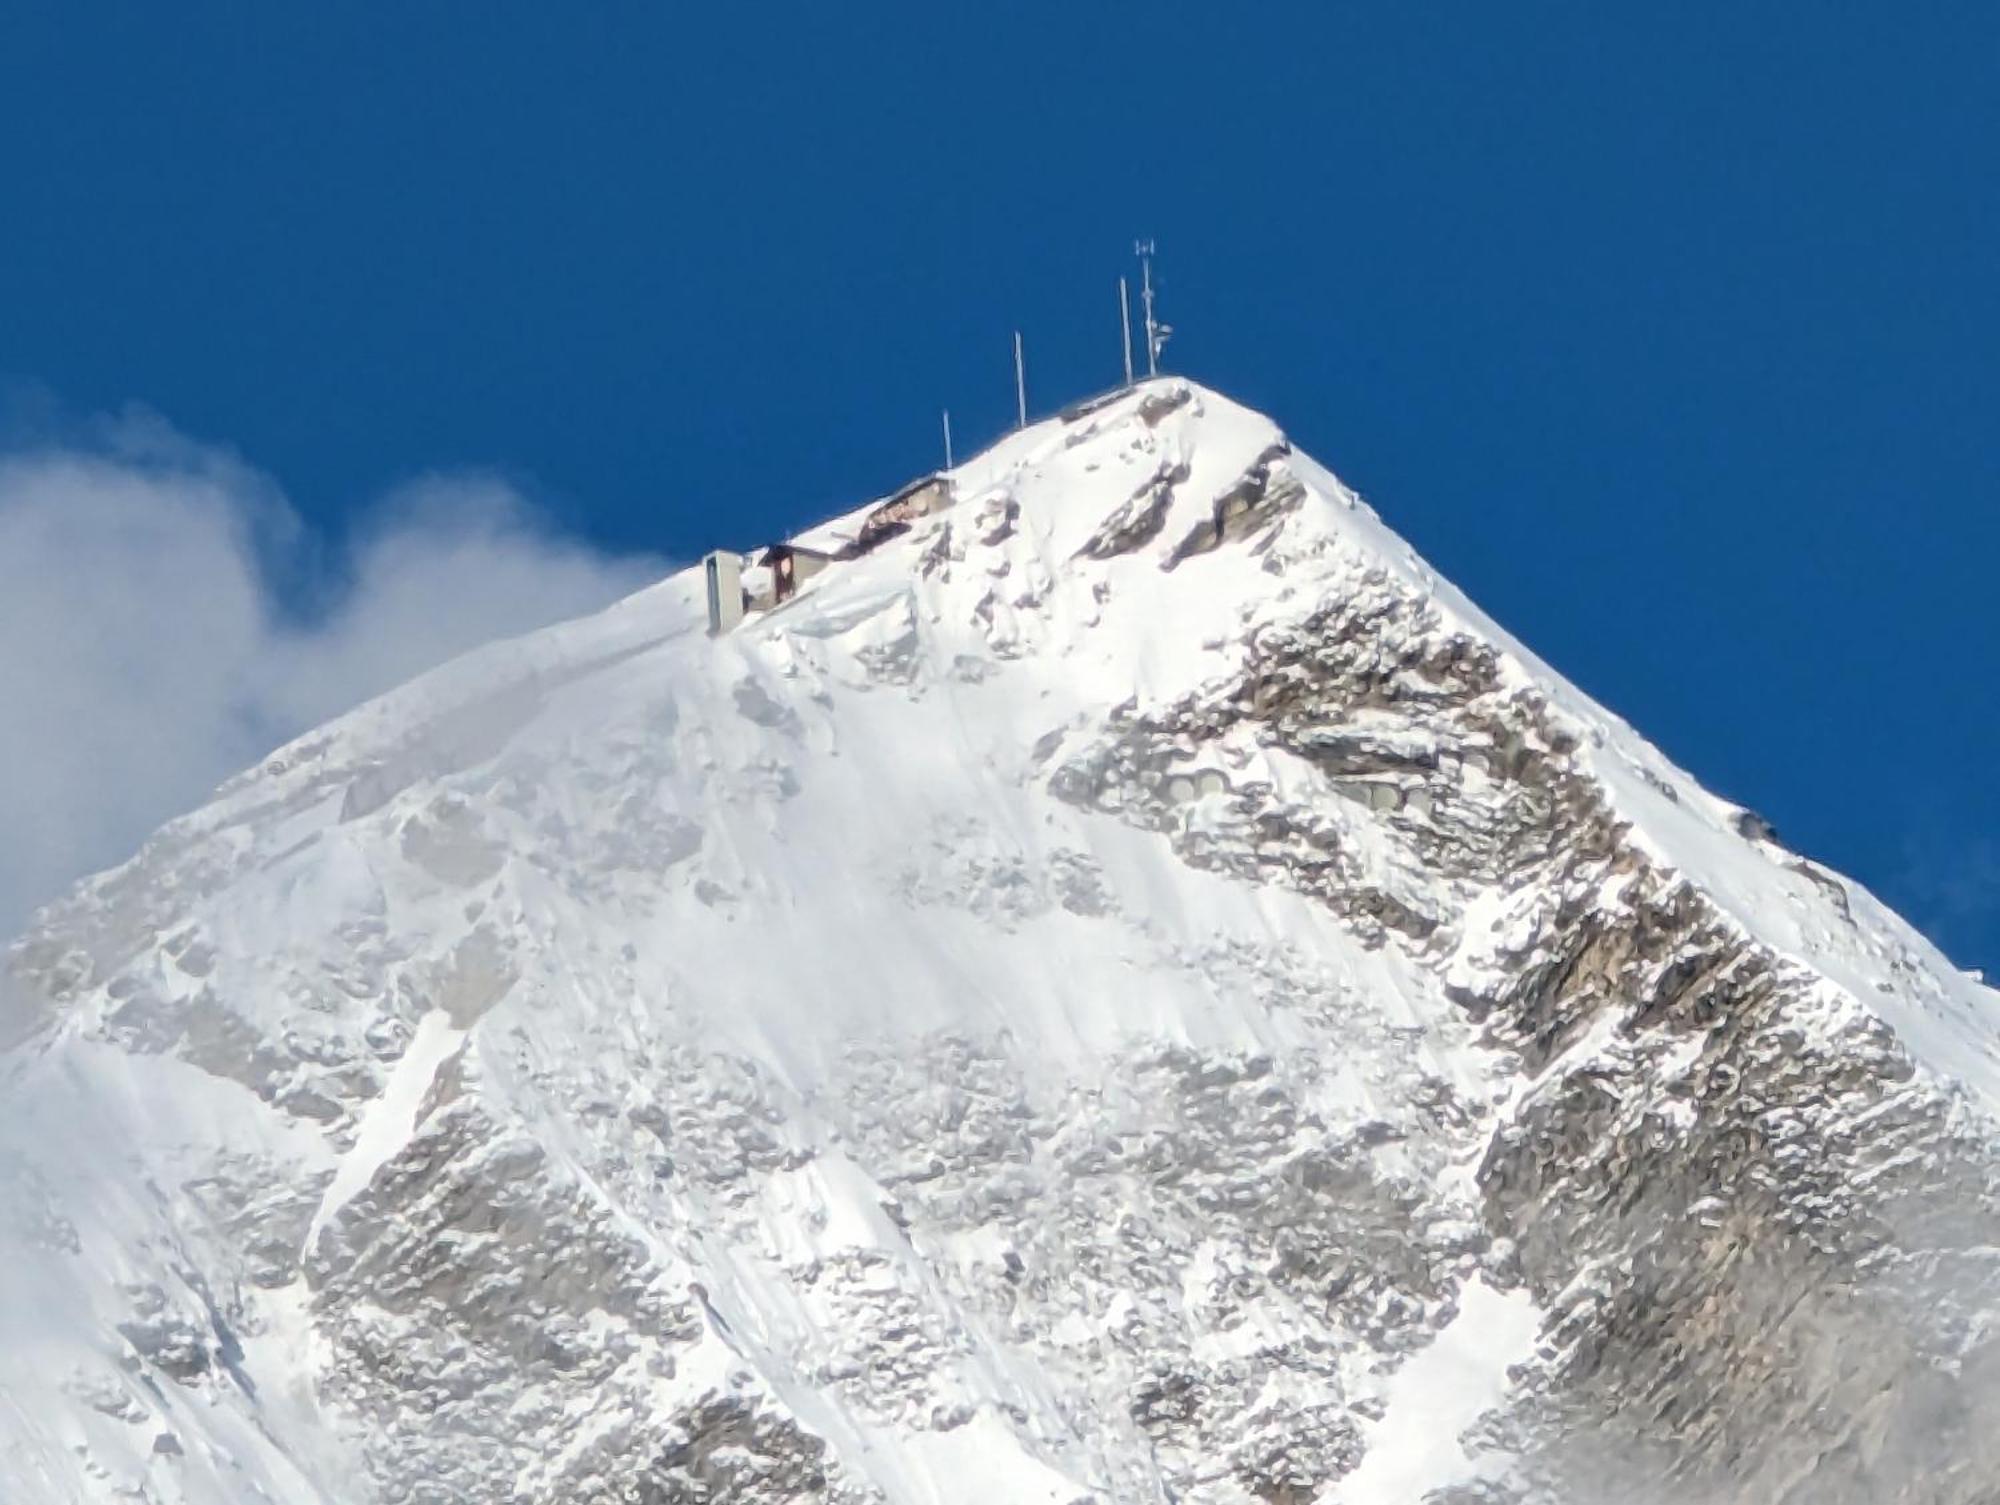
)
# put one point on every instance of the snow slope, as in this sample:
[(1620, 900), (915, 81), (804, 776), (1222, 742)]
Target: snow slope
[(1133, 990)]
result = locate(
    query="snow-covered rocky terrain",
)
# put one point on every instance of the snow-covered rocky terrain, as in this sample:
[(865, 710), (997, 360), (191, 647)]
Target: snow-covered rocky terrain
[(1131, 991)]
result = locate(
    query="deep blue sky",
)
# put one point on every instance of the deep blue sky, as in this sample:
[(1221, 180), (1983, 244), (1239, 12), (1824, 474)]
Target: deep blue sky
[(1670, 333)]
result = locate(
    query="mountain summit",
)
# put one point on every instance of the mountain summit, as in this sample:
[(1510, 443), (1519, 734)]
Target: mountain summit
[(1120, 987)]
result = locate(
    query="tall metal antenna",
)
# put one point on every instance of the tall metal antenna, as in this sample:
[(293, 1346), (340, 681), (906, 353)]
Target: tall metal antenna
[(947, 438), (1125, 323), (1020, 382), (1156, 332)]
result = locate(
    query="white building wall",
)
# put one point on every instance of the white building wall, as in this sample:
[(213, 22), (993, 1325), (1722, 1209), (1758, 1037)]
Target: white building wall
[(724, 574)]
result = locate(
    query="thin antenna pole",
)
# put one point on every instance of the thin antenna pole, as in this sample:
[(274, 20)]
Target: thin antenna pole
[(1020, 382), (1125, 324), (947, 438)]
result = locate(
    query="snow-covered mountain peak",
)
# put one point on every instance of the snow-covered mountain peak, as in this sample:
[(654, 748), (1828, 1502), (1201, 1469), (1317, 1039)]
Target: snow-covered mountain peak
[(1122, 987)]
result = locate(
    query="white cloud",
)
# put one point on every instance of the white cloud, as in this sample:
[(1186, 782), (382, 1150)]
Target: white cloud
[(146, 652)]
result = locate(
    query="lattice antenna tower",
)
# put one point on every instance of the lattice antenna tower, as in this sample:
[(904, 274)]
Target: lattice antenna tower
[(1156, 332)]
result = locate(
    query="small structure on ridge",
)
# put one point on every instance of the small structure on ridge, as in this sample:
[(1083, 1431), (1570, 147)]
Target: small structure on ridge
[(791, 565)]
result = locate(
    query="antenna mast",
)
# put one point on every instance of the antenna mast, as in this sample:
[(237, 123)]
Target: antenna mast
[(1156, 332), (1125, 324), (1020, 383)]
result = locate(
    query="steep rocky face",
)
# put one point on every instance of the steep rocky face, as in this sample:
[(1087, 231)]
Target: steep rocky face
[(1130, 990), (1737, 1206)]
